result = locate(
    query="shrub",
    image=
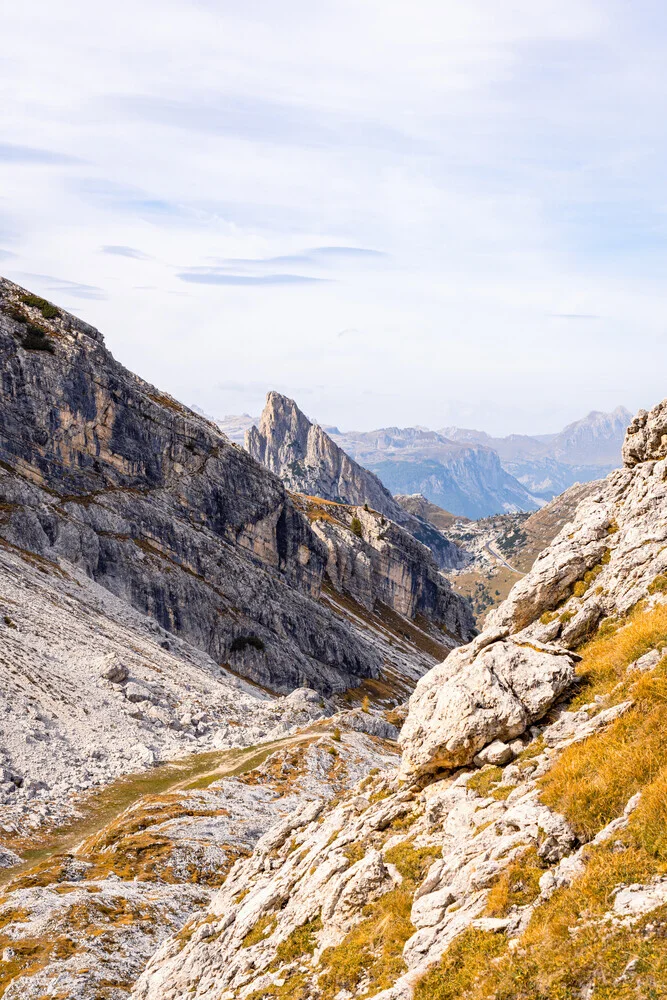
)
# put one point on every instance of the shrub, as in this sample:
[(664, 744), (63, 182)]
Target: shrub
[(243, 641), (36, 340), (356, 528), (47, 310), (336, 735)]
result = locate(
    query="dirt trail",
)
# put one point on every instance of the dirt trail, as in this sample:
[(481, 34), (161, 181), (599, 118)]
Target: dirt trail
[(104, 806)]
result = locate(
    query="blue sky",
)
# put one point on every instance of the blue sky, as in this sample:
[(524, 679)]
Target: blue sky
[(427, 213)]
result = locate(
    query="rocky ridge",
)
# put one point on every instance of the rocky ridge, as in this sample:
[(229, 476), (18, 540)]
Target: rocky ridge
[(464, 477), (309, 461), (381, 893)]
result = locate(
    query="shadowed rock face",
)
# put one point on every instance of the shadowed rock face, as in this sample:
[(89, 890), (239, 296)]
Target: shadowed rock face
[(309, 461), (154, 503)]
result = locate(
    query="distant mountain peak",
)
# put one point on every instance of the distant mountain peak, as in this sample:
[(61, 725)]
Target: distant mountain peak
[(309, 461)]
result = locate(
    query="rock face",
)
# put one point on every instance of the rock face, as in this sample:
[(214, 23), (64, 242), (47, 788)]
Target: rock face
[(646, 439), (150, 500), (599, 565), (375, 560), (306, 914), (308, 461)]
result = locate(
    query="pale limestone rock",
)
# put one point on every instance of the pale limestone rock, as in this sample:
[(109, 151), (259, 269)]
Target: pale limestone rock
[(495, 753), (477, 696), (646, 437), (429, 909)]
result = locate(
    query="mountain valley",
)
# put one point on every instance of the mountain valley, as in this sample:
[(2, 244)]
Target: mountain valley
[(254, 743)]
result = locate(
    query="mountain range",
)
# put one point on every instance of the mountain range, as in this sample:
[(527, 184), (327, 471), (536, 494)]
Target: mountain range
[(473, 474)]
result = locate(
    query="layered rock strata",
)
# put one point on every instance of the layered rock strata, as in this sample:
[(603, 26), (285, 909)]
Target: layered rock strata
[(150, 500)]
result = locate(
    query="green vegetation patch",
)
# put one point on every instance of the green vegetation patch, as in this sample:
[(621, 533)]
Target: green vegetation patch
[(47, 310), (483, 781)]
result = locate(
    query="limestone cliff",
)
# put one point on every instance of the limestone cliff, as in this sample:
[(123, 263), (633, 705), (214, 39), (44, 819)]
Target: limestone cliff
[(308, 461), (153, 502)]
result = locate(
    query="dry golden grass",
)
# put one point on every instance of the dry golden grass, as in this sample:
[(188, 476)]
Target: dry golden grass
[(483, 781), (301, 941), (262, 929), (568, 946), (370, 957), (606, 657), (592, 781), (517, 885)]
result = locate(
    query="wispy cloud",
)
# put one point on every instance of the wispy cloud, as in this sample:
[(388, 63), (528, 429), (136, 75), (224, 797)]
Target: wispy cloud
[(254, 118), (127, 198), (6, 254), (48, 282), (217, 278), (121, 251), (266, 270), (575, 316), (10, 153)]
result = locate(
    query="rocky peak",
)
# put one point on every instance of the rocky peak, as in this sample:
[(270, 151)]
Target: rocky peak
[(309, 461)]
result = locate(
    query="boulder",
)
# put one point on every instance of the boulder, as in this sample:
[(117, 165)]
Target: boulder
[(498, 753), (137, 692), (115, 671), (481, 693), (429, 909)]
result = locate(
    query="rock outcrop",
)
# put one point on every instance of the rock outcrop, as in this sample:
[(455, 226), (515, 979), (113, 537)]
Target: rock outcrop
[(309, 461), (492, 689), (150, 500)]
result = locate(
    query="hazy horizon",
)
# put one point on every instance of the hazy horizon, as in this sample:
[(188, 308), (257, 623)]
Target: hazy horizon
[(327, 425)]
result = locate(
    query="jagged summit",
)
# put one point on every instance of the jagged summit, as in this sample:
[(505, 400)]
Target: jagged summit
[(309, 461)]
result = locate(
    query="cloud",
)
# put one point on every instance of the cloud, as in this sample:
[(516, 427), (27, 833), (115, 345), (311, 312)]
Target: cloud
[(74, 288), (6, 254), (10, 153), (262, 270), (345, 253), (576, 316), (118, 197), (217, 278), (121, 251), (254, 118)]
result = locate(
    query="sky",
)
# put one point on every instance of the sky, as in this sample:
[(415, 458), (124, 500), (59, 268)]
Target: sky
[(427, 213)]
